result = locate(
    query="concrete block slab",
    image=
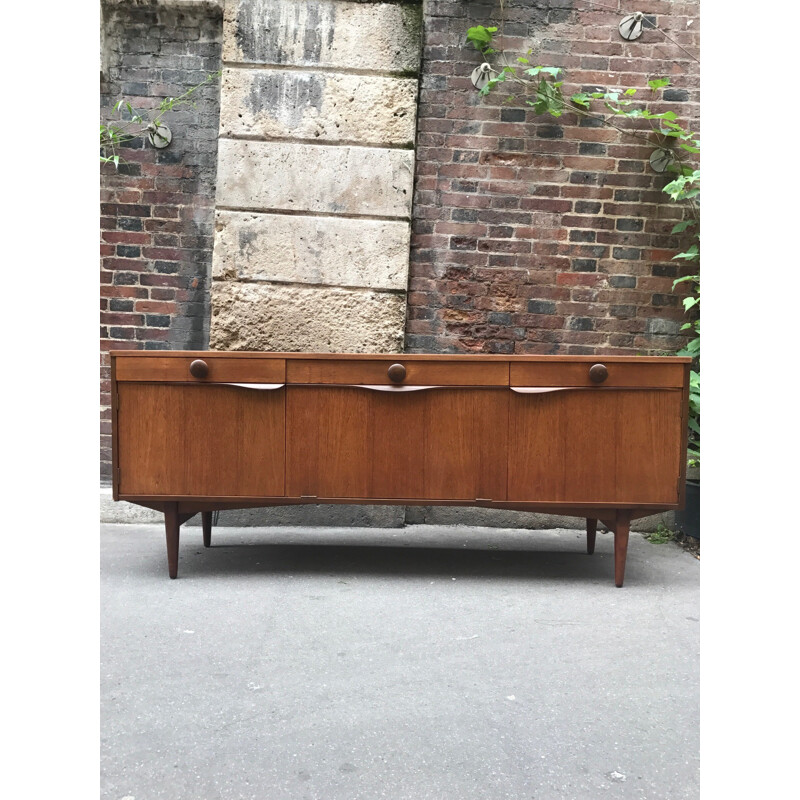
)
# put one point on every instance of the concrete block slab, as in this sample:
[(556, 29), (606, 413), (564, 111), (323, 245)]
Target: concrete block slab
[(315, 250), (316, 178), (319, 106), (380, 37), (257, 316)]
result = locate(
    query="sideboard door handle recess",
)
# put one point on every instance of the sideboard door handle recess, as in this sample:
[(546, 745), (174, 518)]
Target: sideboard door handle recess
[(261, 386)]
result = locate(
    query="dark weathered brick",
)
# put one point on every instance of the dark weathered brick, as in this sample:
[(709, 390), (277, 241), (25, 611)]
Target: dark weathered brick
[(630, 224), (665, 300), (512, 115), (129, 223), (626, 253), (622, 281), (592, 149), (541, 307), (550, 132), (675, 95), (157, 320)]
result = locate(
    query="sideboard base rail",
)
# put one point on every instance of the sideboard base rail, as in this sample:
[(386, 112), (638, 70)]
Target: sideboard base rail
[(617, 521)]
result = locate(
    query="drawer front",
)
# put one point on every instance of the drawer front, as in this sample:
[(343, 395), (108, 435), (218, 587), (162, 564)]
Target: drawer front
[(220, 369), (375, 372), (630, 375)]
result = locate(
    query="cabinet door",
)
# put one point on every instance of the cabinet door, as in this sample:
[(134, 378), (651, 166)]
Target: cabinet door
[(595, 446), (200, 440), (436, 444)]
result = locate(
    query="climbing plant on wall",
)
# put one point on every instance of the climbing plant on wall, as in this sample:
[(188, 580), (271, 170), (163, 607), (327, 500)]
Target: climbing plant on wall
[(116, 133), (676, 150)]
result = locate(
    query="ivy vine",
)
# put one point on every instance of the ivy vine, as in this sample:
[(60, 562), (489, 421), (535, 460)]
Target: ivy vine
[(541, 88)]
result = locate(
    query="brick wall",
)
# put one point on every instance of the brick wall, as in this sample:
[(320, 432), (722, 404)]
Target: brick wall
[(535, 234), (157, 209)]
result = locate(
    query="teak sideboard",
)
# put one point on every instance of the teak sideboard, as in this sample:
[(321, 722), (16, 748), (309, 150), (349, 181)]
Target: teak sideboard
[(597, 437)]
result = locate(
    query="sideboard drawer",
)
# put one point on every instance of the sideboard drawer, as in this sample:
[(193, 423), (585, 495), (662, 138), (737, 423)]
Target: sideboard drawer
[(411, 372), (219, 369), (651, 375)]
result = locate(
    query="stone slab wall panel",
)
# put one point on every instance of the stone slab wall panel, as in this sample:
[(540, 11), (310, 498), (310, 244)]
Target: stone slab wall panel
[(294, 176), (316, 174), (311, 250), (378, 37), (271, 317), (303, 104)]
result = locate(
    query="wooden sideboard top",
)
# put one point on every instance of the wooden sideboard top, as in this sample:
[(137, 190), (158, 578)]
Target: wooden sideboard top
[(396, 356)]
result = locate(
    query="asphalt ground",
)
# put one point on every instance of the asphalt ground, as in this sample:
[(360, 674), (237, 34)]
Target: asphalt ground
[(411, 664)]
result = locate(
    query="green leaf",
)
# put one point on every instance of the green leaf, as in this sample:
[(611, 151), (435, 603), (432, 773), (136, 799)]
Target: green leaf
[(684, 279), (692, 254), (630, 91), (534, 71), (523, 60), (581, 99), (689, 303), (680, 227), (658, 83), (481, 37)]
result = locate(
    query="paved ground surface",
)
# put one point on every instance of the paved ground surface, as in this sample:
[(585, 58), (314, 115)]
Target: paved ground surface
[(415, 664)]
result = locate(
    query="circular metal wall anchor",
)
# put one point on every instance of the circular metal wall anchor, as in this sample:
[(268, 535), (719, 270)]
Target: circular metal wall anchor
[(631, 26), (661, 159), (159, 135), (481, 75)]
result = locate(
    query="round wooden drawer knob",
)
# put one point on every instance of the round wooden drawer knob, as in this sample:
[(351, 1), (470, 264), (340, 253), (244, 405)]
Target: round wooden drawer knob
[(598, 373), (198, 369), (397, 373)]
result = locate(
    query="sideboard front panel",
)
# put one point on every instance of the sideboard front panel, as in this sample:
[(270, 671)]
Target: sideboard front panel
[(595, 446), (200, 440), (437, 444)]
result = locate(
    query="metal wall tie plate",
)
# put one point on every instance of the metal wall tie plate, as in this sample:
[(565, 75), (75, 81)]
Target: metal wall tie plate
[(631, 26), (482, 75), (661, 159), (159, 135)]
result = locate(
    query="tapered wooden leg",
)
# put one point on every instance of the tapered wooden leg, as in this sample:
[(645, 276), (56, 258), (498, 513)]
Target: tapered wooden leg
[(591, 534), (173, 525), (621, 531), (207, 528)]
